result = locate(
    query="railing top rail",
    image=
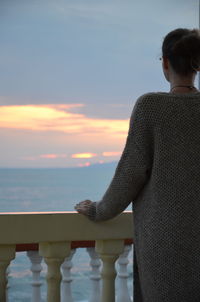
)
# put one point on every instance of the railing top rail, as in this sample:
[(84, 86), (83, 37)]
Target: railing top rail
[(34, 227), (40, 213)]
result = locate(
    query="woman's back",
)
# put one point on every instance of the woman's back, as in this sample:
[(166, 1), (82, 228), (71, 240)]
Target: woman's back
[(167, 212)]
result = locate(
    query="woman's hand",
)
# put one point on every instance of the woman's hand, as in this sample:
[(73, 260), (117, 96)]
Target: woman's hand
[(83, 206)]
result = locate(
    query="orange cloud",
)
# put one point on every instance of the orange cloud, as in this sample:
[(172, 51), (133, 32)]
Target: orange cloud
[(111, 153), (37, 117), (29, 158), (58, 118), (87, 164), (83, 155), (46, 156), (51, 156)]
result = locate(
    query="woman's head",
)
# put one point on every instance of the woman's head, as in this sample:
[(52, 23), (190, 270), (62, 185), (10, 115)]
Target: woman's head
[(182, 48)]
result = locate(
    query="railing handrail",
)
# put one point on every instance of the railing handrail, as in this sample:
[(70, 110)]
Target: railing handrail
[(34, 227)]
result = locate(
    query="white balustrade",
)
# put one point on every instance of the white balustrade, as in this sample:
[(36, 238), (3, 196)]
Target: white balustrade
[(36, 268), (66, 294), (109, 251), (7, 253), (54, 233), (54, 255), (95, 275), (123, 293)]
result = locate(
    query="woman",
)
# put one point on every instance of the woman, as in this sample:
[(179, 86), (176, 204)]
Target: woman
[(159, 172)]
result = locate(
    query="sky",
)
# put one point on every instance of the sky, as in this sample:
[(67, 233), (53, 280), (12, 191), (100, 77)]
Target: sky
[(71, 71)]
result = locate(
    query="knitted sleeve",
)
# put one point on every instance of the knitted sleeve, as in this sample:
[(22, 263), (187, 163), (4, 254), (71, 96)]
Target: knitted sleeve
[(132, 170)]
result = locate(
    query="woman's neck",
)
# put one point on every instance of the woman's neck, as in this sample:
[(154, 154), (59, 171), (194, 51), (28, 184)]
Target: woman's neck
[(182, 84)]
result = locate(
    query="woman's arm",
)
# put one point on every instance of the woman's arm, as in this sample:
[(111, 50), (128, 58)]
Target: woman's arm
[(130, 175)]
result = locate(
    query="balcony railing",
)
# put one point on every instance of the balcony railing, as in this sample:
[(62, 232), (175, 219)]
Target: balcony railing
[(55, 235)]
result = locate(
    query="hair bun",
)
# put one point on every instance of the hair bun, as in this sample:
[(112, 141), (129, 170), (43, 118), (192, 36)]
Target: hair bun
[(188, 45)]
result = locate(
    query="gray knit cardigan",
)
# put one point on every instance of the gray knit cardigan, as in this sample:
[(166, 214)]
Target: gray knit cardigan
[(159, 172)]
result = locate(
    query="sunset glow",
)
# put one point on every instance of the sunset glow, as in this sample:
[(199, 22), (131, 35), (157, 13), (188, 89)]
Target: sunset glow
[(58, 118), (87, 164), (50, 128), (83, 155), (52, 156), (111, 153), (71, 72)]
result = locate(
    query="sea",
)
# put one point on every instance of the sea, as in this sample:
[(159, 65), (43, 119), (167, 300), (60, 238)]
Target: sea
[(53, 189)]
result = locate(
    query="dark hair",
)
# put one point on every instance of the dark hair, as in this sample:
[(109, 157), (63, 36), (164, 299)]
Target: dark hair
[(182, 47)]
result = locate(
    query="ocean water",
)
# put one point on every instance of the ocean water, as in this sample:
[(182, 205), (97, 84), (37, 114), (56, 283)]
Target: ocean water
[(28, 190)]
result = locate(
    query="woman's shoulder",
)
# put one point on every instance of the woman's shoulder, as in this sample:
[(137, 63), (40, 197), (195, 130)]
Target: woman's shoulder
[(156, 104), (147, 100), (156, 96), (150, 105), (152, 96), (159, 98)]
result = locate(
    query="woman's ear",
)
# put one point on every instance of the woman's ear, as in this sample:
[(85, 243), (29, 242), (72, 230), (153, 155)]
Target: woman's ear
[(165, 67), (165, 63)]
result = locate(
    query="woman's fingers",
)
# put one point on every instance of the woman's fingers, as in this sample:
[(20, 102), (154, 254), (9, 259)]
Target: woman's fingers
[(86, 202), (83, 206)]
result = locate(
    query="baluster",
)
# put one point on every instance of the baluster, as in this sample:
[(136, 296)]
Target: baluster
[(109, 251), (95, 275), (36, 268), (7, 278), (54, 254), (123, 293), (67, 279), (7, 253)]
